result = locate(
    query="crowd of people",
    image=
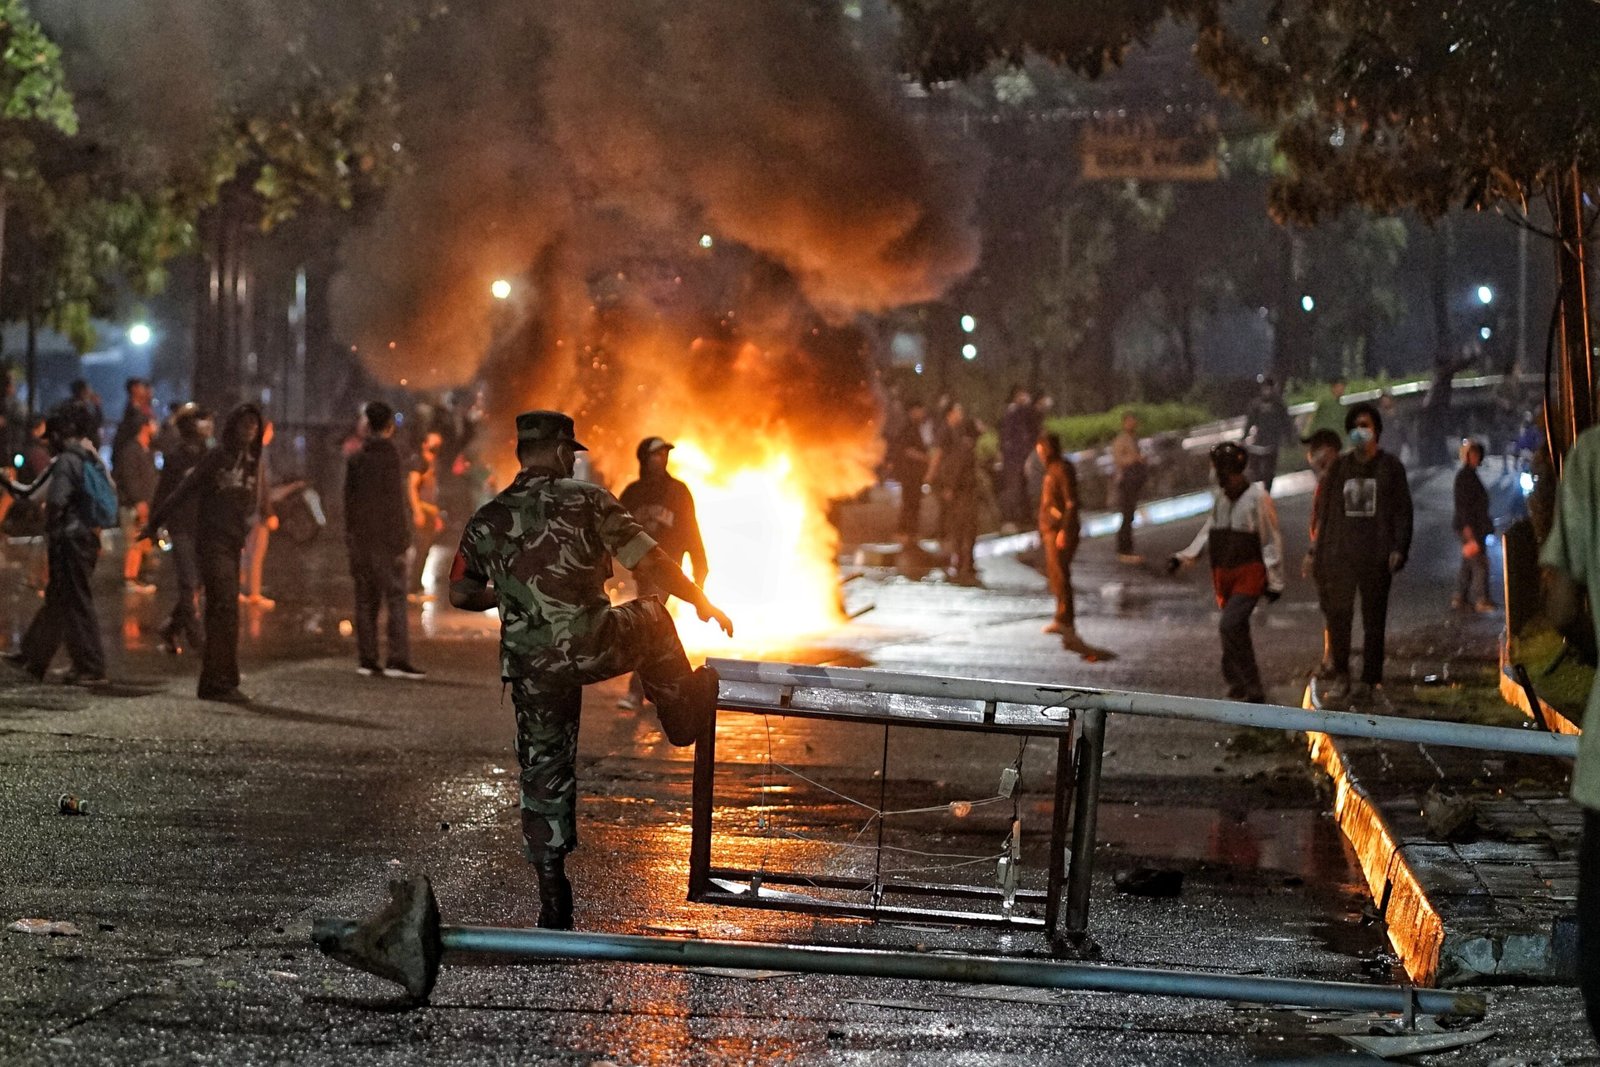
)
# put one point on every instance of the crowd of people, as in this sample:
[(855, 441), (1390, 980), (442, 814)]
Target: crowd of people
[(1360, 529), (211, 497)]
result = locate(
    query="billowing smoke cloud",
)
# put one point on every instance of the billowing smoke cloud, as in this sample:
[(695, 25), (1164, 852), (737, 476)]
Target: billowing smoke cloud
[(626, 129), (580, 148)]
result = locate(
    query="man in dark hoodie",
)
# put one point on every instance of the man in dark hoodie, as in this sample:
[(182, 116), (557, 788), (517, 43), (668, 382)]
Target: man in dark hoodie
[(665, 508), (225, 488), (191, 427), (377, 520), (1360, 538)]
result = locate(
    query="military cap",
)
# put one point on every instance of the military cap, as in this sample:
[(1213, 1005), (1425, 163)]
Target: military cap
[(547, 426)]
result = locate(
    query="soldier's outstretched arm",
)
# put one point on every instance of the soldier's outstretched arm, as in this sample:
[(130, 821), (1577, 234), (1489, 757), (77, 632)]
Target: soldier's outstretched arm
[(655, 567)]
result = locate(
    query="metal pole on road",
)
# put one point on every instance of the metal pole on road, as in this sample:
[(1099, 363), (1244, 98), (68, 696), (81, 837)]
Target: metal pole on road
[(1069, 698), (405, 943)]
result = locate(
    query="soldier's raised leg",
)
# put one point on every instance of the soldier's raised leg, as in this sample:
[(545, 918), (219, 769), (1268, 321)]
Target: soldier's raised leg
[(643, 639)]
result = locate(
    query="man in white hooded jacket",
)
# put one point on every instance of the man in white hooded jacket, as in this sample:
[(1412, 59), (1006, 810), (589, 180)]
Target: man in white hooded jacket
[(1246, 550)]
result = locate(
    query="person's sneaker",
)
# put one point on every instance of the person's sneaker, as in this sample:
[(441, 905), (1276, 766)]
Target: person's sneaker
[(1053, 627), (403, 670), (1129, 557), (370, 670), (628, 702), (73, 677), (226, 696), (1485, 607), (264, 602), (134, 585)]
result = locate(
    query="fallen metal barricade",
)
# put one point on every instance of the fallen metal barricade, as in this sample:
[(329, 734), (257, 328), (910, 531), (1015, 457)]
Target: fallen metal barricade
[(406, 943), (1073, 716)]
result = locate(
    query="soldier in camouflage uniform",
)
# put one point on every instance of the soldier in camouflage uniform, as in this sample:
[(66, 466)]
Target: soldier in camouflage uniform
[(541, 552)]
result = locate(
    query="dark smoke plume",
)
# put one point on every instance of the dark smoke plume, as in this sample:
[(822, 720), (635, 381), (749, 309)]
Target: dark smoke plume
[(576, 145)]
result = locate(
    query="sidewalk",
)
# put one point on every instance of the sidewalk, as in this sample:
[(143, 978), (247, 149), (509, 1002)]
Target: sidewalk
[(1470, 856)]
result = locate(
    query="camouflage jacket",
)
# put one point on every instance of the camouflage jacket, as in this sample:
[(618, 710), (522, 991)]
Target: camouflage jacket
[(546, 545)]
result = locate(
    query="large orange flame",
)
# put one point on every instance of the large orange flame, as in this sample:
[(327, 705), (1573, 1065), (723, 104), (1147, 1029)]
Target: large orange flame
[(770, 548)]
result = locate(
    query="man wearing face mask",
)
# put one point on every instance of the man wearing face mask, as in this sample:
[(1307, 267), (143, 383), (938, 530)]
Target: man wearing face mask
[(541, 552), (1360, 537)]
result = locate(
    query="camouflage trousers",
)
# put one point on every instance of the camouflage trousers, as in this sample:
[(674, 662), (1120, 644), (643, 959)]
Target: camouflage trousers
[(636, 636)]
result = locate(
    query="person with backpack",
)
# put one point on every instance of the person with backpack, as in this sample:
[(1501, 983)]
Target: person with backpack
[(225, 489), (79, 503)]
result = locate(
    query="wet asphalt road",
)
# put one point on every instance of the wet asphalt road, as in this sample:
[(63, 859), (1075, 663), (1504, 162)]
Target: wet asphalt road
[(217, 833)]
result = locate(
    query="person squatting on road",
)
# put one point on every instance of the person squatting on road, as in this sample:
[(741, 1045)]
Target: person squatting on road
[(665, 508), (377, 534), (225, 489), (1058, 537), (541, 552), (1246, 549), (72, 546), (1360, 538), (1571, 558), (1472, 523), (191, 428)]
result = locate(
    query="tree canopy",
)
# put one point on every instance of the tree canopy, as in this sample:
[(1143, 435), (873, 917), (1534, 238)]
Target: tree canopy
[(1388, 104)]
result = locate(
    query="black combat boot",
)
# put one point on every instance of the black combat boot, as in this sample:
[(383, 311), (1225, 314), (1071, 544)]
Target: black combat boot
[(555, 894), (688, 709)]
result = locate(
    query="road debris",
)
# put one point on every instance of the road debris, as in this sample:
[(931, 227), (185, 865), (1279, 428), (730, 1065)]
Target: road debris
[(45, 928)]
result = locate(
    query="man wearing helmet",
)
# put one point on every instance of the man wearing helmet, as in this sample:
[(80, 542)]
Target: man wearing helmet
[(1246, 550)]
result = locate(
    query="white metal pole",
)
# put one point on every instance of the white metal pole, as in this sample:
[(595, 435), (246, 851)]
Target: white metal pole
[(1051, 698)]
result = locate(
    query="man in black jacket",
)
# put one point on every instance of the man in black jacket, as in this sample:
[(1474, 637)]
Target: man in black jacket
[(377, 521), (224, 489), (1360, 537), (664, 506), (1473, 524)]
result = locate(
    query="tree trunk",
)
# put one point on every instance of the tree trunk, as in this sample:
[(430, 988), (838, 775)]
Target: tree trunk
[(1574, 354)]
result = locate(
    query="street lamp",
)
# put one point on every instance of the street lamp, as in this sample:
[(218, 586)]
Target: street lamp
[(968, 324), (139, 335), (969, 351), (1485, 295), (706, 240), (1307, 304), (501, 289)]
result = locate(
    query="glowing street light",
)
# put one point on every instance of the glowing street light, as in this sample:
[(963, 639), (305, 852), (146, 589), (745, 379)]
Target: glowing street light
[(1484, 332), (501, 289), (1307, 304), (1485, 295), (968, 324), (706, 241), (969, 351), (139, 335)]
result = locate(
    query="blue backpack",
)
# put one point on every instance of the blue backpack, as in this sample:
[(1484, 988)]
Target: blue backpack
[(99, 500)]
